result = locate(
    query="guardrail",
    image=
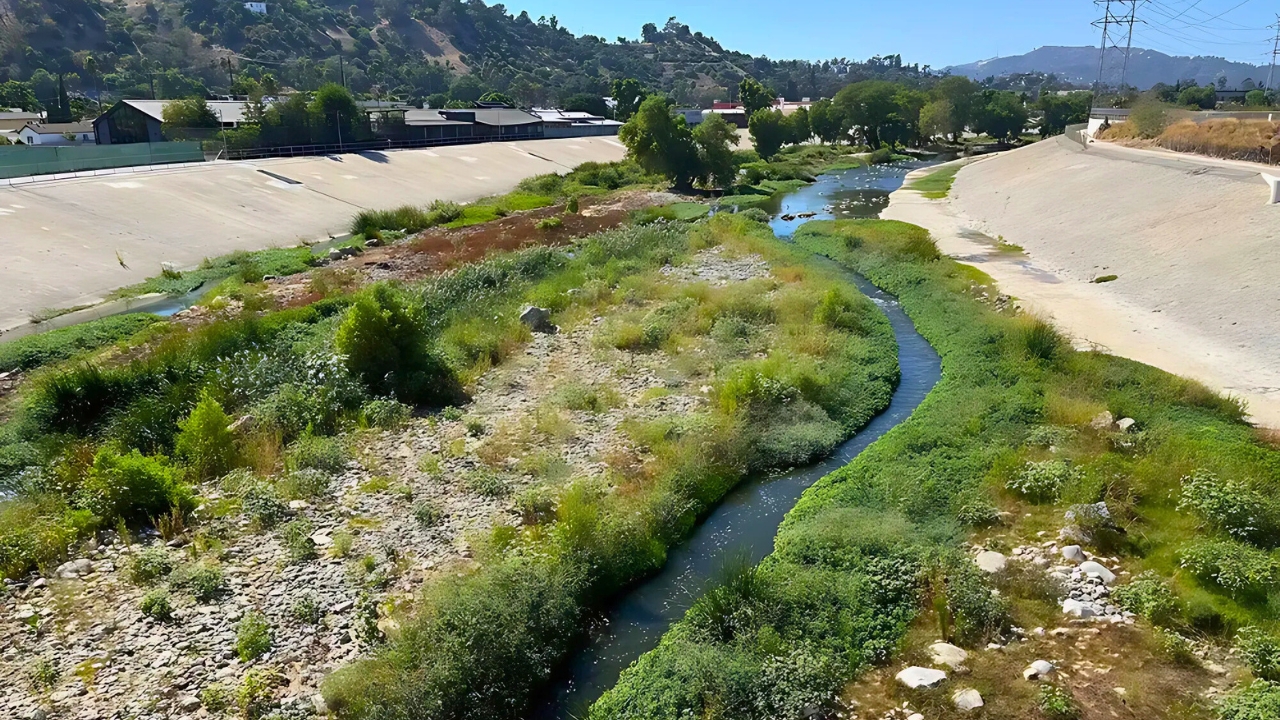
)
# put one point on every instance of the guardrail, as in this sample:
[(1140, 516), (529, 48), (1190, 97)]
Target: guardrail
[(1076, 134)]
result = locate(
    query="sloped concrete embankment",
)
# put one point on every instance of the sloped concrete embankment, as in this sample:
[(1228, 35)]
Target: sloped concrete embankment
[(68, 243)]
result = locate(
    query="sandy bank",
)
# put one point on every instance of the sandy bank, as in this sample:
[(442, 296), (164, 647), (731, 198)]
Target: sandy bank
[(1194, 246), (69, 242)]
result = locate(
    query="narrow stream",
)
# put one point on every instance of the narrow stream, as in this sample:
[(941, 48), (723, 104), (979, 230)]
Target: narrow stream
[(745, 522)]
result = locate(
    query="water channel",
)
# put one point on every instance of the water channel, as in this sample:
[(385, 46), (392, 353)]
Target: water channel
[(745, 522)]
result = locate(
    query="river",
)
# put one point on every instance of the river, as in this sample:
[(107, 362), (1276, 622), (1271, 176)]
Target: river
[(745, 522)]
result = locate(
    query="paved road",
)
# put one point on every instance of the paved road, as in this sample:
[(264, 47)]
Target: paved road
[(63, 241)]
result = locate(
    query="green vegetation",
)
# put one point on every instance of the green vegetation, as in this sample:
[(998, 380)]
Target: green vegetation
[(253, 636), (937, 184), (33, 351), (155, 605), (244, 267), (1105, 278), (485, 640), (871, 544)]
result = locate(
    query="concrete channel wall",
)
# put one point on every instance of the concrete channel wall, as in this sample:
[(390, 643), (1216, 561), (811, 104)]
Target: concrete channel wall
[(68, 243)]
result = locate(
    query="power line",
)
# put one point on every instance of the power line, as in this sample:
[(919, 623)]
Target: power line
[(1275, 50), (1118, 14)]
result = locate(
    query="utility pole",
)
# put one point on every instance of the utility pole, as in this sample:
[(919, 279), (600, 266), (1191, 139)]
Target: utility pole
[(1275, 50), (342, 71), (1118, 18)]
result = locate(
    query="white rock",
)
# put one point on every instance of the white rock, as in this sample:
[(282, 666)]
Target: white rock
[(915, 716), (189, 703), (967, 699), (1071, 606), (1103, 421), (1090, 567), (947, 654), (74, 569), (1073, 553), (991, 561), (917, 677), (1038, 670), (1125, 423)]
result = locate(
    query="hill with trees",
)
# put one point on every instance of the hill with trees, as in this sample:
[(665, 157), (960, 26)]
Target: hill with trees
[(432, 51), (1146, 68)]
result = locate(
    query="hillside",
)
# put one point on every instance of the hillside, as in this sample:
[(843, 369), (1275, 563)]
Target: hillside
[(409, 49), (1146, 67)]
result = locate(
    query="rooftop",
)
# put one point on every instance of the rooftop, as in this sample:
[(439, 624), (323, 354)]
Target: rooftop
[(229, 111), (60, 128)]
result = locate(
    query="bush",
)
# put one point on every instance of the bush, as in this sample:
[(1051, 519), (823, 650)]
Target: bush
[(37, 530), (1174, 647), (1056, 703), (1042, 341), (262, 507), (1230, 505), (427, 513), (839, 311), (1235, 567), (253, 636), (149, 566), (313, 452), (881, 156), (1149, 597), (1258, 701), (1260, 650), (342, 542), (571, 206), (591, 398), (297, 538), (206, 583), (755, 215), (256, 694), (1042, 481), (304, 484), (385, 414), (44, 675), (132, 487), (204, 439), (386, 346), (155, 605), (487, 483), (307, 610), (34, 351), (550, 223), (216, 698)]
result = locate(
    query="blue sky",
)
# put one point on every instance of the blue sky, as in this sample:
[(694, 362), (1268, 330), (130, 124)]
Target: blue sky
[(932, 32)]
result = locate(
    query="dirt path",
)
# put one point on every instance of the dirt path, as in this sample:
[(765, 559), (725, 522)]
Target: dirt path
[(1194, 247)]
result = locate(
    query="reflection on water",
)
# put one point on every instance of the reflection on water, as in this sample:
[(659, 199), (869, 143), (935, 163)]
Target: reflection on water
[(859, 193)]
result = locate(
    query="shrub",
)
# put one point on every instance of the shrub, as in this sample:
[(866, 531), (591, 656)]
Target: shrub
[(1056, 703), (149, 566), (427, 513), (1148, 596), (44, 675), (1258, 701), (571, 206), (592, 398), (256, 694), (133, 487), (365, 620), (881, 156), (977, 613), (1042, 341), (36, 531), (297, 538), (314, 452), (33, 351), (386, 414), (216, 698), (262, 507), (550, 223), (840, 311), (1229, 505), (1149, 119), (1042, 481), (977, 512), (307, 610), (342, 542), (1260, 650), (1230, 564), (487, 483), (1173, 646), (304, 484), (206, 583), (755, 215), (155, 605), (253, 636), (386, 346), (204, 439)]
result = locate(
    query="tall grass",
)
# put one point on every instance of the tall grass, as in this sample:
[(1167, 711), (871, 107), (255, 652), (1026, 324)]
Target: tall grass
[(1231, 138)]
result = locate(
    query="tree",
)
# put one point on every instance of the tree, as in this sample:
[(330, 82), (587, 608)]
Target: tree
[(497, 97), (14, 94), (1002, 116), (753, 96), (588, 103), (1256, 98), (826, 122), (964, 97), (801, 130), (868, 106), (189, 113), (910, 103), (769, 131), (629, 94), (935, 119), (333, 107), (716, 139), (1205, 98), (1059, 111), (662, 143), (467, 88)]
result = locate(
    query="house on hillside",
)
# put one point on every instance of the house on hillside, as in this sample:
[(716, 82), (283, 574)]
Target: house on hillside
[(135, 121), (73, 133)]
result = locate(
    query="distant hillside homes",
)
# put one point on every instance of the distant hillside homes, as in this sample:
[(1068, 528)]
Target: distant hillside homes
[(1079, 65)]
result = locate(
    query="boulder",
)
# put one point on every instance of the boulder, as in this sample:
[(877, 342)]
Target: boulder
[(947, 654), (1123, 424), (74, 569), (990, 561), (1038, 670), (1073, 553), (1103, 421), (1071, 606), (1090, 567), (539, 320), (967, 699), (918, 677)]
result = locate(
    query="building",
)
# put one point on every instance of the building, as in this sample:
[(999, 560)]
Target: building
[(692, 116), (574, 123), (1230, 96), (256, 7), (13, 119), (736, 116), (135, 121), (74, 133)]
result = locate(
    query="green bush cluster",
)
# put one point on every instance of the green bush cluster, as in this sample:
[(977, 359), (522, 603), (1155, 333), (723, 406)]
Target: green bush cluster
[(407, 218), (1257, 701), (254, 636), (33, 351), (1260, 651), (155, 604), (1237, 568), (1043, 481), (385, 414), (316, 452), (1149, 596), (1231, 505)]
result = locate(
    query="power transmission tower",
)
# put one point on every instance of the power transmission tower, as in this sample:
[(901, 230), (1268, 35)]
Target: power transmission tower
[(1118, 19), (1275, 50)]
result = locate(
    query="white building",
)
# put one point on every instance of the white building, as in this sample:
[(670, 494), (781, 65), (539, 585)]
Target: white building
[(256, 7), (75, 133)]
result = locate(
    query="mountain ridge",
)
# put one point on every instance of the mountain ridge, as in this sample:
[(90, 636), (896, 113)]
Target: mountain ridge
[(1079, 65)]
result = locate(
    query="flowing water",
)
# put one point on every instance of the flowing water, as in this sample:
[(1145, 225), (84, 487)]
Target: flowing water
[(745, 522)]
